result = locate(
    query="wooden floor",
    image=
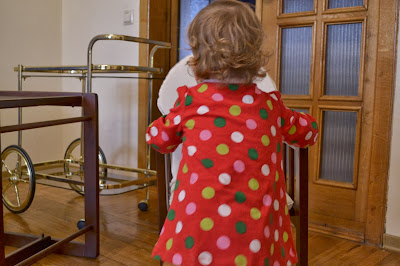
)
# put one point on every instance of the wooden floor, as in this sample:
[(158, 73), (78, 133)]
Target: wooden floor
[(128, 235)]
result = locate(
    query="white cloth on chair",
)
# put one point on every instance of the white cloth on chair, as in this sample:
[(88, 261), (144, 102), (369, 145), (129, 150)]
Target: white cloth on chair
[(182, 75)]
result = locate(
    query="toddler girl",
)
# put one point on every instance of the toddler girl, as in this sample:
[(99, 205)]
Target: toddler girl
[(229, 205)]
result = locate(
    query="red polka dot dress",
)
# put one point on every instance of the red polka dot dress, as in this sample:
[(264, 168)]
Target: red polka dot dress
[(229, 205)]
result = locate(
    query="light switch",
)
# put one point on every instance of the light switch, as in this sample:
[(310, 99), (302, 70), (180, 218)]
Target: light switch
[(128, 17)]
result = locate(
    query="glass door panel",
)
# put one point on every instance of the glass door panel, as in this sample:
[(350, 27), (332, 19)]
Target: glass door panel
[(293, 6), (344, 3)]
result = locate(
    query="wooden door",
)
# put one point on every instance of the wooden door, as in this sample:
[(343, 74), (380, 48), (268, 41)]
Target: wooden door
[(331, 58)]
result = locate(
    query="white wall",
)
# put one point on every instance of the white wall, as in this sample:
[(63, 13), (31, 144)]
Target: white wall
[(31, 35), (393, 202), (118, 98)]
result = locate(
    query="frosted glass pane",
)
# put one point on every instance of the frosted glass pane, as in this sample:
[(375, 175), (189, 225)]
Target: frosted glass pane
[(344, 3), (342, 69), (292, 6), (338, 146), (296, 60)]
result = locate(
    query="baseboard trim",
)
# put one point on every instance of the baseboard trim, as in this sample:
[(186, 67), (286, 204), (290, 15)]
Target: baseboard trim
[(391, 242), (337, 232)]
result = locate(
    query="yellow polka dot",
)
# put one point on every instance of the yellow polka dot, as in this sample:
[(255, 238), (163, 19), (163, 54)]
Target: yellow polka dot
[(253, 184), (190, 124), (276, 176), (171, 147), (235, 110), (208, 193), (265, 140), (240, 260), (185, 169), (292, 130), (269, 103), (272, 249), (285, 237), (255, 213), (302, 113), (206, 224), (286, 210), (203, 88), (167, 123), (222, 149), (169, 243), (151, 124)]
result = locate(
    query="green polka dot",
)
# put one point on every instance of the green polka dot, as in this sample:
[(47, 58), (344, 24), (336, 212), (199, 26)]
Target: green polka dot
[(265, 140), (282, 122), (285, 237), (203, 88), (207, 163), (269, 103), (167, 123), (208, 193), (206, 224), (282, 252), (272, 249), (179, 133), (253, 184), (219, 122), (177, 103), (185, 169), (240, 260), (266, 262), (176, 185), (255, 213), (240, 227), (240, 197), (155, 147), (188, 100), (222, 149), (233, 87), (271, 219), (253, 154), (171, 215), (263, 113), (314, 125), (157, 257), (276, 176), (278, 148), (235, 110), (169, 243), (190, 124), (184, 139), (189, 242), (292, 130)]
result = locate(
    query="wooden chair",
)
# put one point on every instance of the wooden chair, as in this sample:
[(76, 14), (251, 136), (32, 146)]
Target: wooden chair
[(296, 170)]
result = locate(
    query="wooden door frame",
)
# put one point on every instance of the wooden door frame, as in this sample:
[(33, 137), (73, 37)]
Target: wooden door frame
[(385, 73)]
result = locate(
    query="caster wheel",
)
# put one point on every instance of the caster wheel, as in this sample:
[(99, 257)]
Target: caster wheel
[(143, 205), (80, 224)]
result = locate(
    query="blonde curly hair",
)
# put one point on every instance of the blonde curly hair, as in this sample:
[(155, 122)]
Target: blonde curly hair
[(226, 39)]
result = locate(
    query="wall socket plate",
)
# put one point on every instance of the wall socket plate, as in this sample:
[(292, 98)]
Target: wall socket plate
[(128, 17)]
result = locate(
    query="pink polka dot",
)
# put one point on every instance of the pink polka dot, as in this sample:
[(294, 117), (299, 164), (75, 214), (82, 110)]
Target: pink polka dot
[(238, 166), (276, 263), (303, 122), (223, 242), (177, 259), (251, 124), (291, 253), (267, 232), (217, 97), (164, 136), (257, 91), (193, 178), (273, 157), (190, 208), (280, 221), (205, 135), (281, 193), (279, 121), (267, 200)]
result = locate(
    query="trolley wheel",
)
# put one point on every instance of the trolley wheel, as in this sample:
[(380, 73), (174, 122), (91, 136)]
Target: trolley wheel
[(143, 205), (80, 224), (74, 152), (18, 179)]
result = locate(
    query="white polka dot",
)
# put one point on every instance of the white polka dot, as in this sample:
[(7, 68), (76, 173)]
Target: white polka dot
[(153, 131), (276, 263), (205, 258), (147, 137), (182, 195), (255, 245), (315, 138), (237, 137), (224, 210), (276, 205), (224, 179), (248, 99), (289, 263), (179, 227), (265, 169), (273, 131), (273, 96), (203, 110), (308, 136), (291, 119), (276, 235), (191, 150), (177, 119)]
